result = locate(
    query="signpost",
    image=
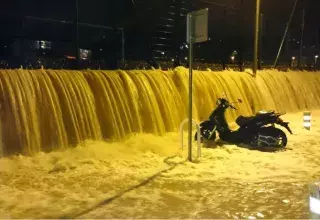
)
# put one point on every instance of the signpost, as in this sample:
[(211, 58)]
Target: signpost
[(197, 31)]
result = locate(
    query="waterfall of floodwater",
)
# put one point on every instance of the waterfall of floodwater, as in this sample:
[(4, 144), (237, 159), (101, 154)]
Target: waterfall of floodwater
[(44, 110)]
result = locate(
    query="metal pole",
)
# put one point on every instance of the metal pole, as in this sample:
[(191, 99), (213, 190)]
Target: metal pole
[(256, 38), (301, 39), (77, 34), (224, 31), (123, 46), (287, 44), (191, 27), (177, 32), (285, 35), (260, 42), (21, 45), (317, 39)]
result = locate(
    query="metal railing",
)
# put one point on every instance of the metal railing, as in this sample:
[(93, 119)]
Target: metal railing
[(198, 135)]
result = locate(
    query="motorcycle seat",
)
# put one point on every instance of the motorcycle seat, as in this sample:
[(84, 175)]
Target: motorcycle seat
[(264, 112), (243, 120)]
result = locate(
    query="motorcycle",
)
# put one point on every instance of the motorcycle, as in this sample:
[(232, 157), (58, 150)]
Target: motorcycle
[(256, 131)]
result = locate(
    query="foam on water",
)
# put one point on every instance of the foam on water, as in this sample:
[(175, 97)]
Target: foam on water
[(227, 182)]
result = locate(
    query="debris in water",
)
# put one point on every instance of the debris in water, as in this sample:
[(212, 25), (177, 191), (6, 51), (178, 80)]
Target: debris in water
[(260, 215), (285, 201)]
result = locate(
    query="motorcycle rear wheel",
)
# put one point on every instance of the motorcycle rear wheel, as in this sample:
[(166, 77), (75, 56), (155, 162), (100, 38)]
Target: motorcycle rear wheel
[(271, 137)]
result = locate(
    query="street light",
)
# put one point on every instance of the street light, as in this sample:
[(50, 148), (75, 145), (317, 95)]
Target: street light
[(315, 60), (232, 58)]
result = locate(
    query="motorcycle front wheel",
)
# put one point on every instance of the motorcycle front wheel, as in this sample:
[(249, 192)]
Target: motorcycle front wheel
[(205, 134), (271, 137)]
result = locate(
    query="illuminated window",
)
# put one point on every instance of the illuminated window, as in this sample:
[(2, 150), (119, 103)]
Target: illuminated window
[(46, 45), (85, 54)]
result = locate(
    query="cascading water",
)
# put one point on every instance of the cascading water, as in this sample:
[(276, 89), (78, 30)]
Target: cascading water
[(43, 110)]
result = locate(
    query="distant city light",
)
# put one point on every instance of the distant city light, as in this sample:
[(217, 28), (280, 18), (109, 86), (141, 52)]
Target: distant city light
[(186, 58), (172, 60), (100, 49), (162, 53), (293, 58), (42, 44), (85, 54), (232, 58), (316, 56)]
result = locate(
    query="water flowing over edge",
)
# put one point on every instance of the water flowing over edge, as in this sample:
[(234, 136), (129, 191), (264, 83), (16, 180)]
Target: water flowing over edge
[(45, 110)]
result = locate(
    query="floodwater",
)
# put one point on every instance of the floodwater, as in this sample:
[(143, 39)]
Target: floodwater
[(147, 176)]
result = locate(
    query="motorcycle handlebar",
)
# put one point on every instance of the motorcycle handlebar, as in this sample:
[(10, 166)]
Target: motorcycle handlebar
[(231, 106)]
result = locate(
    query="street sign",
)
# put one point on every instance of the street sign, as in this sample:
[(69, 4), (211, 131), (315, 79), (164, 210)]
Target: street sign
[(197, 31), (197, 26)]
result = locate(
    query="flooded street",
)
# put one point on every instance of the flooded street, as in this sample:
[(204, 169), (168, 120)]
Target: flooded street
[(147, 176)]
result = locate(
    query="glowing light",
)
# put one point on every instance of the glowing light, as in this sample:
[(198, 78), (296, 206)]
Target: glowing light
[(316, 56), (293, 58), (70, 57), (314, 205)]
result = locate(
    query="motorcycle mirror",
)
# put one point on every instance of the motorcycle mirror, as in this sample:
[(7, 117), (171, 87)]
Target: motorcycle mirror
[(240, 100)]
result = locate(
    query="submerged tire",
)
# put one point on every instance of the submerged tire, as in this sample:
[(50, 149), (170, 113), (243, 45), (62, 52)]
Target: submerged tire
[(271, 137), (283, 137)]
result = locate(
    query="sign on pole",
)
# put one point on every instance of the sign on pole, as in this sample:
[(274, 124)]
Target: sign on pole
[(197, 26), (197, 31)]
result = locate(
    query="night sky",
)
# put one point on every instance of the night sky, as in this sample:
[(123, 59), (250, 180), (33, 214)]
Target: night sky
[(125, 13), (139, 17)]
